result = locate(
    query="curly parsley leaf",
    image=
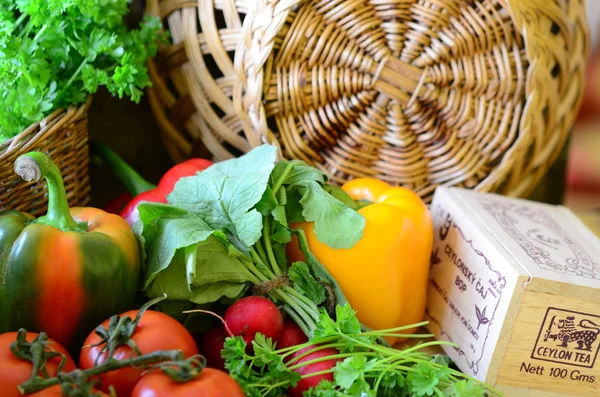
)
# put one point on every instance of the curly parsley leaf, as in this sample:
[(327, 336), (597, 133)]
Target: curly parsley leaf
[(55, 53), (425, 379), (350, 374), (466, 388), (305, 283)]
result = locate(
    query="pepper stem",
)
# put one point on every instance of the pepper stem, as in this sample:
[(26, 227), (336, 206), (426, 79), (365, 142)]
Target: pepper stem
[(34, 166), (132, 180)]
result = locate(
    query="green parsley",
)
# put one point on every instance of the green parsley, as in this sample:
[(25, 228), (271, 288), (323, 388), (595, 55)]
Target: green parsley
[(367, 368), (55, 53)]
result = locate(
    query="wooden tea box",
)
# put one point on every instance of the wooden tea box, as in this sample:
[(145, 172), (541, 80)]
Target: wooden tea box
[(515, 285)]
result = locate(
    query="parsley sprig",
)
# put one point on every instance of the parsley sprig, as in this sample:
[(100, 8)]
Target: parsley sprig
[(54, 53), (368, 368)]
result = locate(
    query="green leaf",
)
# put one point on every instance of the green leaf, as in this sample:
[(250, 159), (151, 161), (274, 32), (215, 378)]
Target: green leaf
[(267, 202), (297, 171), (209, 293), (325, 388), (349, 371), (393, 380), (305, 283), (424, 380), (342, 196), (170, 281), (346, 320), (278, 214), (234, 354), (466, 388), (325, 327), (215, 263), (226, 193), (281, 235), (319, 271), (336, 224), (166, 229), (293, 208), (280, 254)]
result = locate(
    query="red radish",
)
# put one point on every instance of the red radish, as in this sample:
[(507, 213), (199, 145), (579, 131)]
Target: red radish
[(312, 381), (251, 315), (211, 345), (291, 335)]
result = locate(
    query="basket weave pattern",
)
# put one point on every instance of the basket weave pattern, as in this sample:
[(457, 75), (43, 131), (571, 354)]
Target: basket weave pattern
[(480, 94), (63, 137)]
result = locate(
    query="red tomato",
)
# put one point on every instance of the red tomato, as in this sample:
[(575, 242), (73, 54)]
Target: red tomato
[(155, 331), (55, 391), (14, 371), (210, 383)]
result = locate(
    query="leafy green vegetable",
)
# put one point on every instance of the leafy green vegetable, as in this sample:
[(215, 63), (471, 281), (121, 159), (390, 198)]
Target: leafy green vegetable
[(55, 53), (226, 193), (367, 368), (226, 229)]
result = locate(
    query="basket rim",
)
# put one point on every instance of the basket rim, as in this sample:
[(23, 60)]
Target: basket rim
[(42, 128)]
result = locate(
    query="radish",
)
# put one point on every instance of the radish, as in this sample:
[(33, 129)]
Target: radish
[(251, 315), (211, 346), (312, 381), (291, 335)]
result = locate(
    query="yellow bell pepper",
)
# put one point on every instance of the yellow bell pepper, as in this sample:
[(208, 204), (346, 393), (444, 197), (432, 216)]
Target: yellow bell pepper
[(385, 275)]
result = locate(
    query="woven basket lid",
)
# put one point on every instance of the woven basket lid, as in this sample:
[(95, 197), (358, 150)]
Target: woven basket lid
[(479, 94)]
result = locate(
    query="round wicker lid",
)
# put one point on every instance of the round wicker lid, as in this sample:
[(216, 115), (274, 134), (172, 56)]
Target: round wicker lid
[(479, 94)]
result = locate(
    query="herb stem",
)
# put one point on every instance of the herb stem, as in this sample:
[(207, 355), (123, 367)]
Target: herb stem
[(261, 251), (269, 247), (297, 319), (315, 348), (269, 274), (261, 277), (402, 328), (312, 308), (26, 29), (331, 357), (19, 20), (309, 310), (75, 74), (37, 36), (299, 310), (282, 178)]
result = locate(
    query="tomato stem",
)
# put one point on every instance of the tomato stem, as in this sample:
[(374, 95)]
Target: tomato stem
[(119, 332), (36, 351), (183, 371), (38, 383)]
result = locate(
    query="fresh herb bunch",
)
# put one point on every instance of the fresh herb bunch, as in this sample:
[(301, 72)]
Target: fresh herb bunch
[(55, 53), (368, 369), (226, 229)]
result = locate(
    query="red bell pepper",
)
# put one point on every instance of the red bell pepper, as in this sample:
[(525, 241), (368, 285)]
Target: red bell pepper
[(116, 205), (139, 188)]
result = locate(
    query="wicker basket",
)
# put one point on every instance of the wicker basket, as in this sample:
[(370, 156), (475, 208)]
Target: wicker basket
[(63, 136), (480, 94)]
